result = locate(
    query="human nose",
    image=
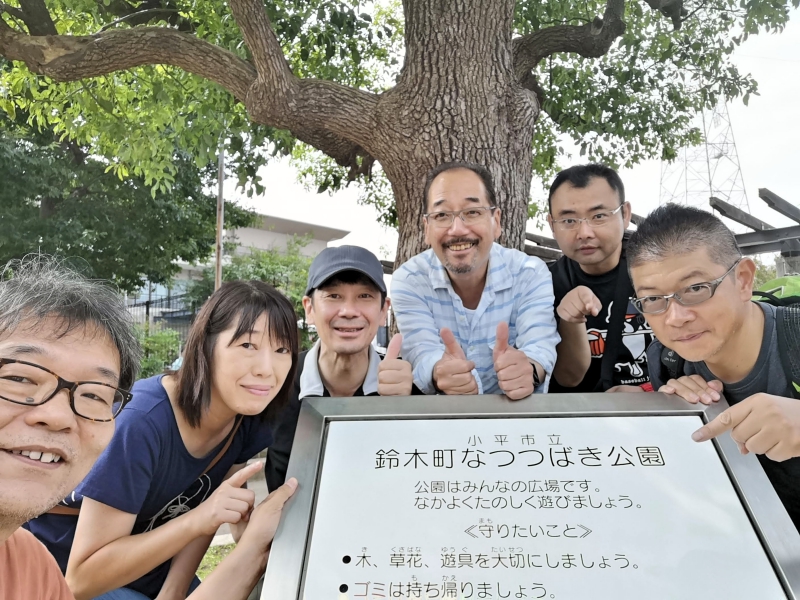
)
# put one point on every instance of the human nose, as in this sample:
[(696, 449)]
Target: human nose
[(263, 366), (349, 309), (584, 229), (677, 314), (56, 414), (457, 226)]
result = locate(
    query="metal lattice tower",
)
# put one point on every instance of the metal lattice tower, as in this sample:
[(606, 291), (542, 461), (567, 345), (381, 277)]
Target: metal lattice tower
[(710, 169)]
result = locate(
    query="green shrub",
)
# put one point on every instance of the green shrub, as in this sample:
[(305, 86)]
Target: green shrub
[(161, 347)]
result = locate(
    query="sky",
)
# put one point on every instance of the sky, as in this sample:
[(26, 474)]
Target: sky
[(766, 134)]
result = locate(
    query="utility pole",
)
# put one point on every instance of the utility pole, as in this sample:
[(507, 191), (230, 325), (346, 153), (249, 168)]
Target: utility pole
[(220, 213)]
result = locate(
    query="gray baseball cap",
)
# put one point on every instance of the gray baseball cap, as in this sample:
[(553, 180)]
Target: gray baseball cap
[(334, 260)]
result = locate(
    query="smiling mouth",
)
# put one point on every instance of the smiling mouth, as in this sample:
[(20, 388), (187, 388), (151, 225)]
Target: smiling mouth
[(349, 329), (42, 457), (460, 246)]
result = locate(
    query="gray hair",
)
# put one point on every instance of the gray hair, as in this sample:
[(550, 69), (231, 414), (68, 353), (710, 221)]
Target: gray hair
[(37, 287), (674, 229)]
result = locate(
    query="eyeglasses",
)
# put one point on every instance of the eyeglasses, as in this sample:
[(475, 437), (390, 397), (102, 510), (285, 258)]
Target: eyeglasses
[(444, 219), (688, 296), (596, 220), (30, 384)]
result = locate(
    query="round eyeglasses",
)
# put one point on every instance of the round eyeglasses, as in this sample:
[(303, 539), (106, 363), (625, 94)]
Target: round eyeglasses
[(30, 384)]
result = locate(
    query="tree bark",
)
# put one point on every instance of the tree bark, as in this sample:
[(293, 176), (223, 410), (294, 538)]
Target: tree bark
[(457, 99)]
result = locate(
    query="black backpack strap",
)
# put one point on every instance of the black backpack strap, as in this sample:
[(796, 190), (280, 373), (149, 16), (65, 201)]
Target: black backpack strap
[(770, 298), (671, 364), (788, 325), (616, 323)]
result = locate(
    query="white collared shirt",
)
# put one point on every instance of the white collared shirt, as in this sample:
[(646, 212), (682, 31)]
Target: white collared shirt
[(311, 381)]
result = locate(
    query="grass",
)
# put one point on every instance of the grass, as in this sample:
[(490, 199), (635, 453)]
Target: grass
[(212, 558)]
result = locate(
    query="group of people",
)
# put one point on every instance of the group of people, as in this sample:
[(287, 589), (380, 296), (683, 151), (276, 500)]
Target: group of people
[(113, 488)]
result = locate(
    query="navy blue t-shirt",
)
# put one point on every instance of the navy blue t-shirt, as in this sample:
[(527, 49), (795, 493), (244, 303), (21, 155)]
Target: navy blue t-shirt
[(147, 471)]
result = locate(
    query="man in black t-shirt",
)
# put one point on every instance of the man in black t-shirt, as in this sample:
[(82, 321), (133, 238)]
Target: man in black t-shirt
[(602, 346)]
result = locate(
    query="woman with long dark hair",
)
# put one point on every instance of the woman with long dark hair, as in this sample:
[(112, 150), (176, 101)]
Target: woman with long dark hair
[(175, 467)]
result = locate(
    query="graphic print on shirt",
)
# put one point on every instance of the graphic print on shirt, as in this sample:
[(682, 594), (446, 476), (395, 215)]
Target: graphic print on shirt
[(636, 336), (182, 503)]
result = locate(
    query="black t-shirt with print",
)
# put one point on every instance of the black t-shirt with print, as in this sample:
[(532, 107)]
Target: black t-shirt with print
[(630, 364)]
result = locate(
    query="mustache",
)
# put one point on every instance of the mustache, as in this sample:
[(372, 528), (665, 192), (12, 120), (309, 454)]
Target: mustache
[(462, 240)]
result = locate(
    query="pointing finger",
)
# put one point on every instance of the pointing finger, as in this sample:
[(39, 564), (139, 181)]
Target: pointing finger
[(726, 421), (591, 302), (238, 479)]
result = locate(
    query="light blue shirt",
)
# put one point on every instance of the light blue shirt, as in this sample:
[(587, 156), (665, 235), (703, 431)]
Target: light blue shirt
[(519, 291)]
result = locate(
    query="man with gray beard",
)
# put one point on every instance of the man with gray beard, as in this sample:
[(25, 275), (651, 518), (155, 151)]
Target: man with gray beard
[(476, 318)]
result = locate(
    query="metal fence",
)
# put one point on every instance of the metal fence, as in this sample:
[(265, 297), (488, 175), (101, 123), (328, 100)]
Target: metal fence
[(172, 312)]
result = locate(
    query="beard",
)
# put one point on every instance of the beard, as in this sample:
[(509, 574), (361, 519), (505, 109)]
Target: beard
[(461, 268)]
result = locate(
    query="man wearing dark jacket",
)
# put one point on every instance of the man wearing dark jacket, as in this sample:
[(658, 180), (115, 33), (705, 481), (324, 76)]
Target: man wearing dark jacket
[(346, 301)]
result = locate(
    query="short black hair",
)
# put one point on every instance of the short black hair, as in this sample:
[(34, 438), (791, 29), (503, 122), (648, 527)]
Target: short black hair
[(581, 175), (479, 170), (349, 277), (674, 229)]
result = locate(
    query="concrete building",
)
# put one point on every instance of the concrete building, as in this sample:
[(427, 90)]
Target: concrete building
[(267, 233)]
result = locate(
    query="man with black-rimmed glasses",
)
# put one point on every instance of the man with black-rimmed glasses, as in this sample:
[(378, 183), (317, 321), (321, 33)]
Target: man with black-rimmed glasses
[(476, 318), (68, 354)]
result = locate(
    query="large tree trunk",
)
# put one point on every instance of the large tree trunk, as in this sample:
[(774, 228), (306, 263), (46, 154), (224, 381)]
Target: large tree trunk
[(457, 99)]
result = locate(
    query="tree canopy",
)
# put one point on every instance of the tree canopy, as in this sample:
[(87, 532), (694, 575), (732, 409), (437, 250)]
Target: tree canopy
[(59, 199), (344, 84)]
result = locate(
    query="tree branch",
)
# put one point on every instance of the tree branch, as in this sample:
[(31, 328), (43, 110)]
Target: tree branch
[(37, 17), (13, 11), (70, 58), (670, 8), (591, 40), (144, 14), (337, 119)]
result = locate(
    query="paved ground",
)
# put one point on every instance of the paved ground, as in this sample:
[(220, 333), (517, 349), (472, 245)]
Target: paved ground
[(259, 486)]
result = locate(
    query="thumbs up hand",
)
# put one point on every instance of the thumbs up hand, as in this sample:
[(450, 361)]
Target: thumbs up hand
[(514, 369), (394, 374), (452, 374)]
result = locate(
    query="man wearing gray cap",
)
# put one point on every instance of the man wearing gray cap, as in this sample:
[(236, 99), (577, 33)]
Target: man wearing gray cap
[(346, 300)]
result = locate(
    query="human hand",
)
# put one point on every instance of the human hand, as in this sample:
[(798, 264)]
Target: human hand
[(452, 374), (762, 424), (577, 304), (693, 389), (266, 516), (230, 503), (513, 367), (394, 374)]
